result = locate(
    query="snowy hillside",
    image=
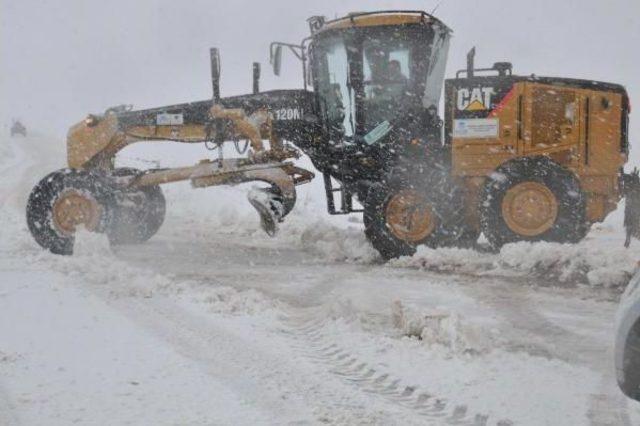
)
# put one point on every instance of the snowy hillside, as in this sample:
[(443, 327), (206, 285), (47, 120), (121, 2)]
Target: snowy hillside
[(212, 322)]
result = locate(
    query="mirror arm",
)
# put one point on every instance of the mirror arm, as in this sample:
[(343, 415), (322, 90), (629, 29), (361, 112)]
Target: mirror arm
[(298, 50), (304, 73)]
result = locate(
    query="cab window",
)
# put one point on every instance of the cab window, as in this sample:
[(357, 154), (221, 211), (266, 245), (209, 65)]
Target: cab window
[(336, 95)]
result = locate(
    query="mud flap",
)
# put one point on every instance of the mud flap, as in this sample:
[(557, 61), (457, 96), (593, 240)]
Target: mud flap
[(631, 189), (270, 207)]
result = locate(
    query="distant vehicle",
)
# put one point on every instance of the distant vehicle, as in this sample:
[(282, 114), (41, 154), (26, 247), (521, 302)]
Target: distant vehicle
[(627, 350), (17, 128)]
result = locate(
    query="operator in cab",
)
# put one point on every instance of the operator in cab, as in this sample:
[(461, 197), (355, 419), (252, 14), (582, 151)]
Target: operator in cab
[(397, 83)]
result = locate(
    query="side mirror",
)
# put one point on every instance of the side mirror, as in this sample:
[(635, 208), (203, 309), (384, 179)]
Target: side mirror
[(276, 59)]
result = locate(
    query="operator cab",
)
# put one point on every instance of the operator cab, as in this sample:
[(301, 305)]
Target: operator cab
[(377, 79), (376, 71)]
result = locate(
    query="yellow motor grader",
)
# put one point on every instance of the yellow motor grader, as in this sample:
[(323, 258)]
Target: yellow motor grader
[(518, 158)]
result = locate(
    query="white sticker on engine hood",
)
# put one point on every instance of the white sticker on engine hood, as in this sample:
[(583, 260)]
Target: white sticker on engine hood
[(169, 119), (476, 128)]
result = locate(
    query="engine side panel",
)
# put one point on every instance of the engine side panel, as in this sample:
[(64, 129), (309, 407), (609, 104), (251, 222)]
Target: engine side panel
[(579, 124)]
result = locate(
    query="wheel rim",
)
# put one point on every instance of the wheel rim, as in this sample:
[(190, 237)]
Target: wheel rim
[(530, 209), (409, 217), (73, 208)]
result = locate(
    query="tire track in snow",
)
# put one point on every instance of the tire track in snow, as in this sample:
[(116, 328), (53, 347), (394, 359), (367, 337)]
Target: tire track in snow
[(530, 331), (274, 385), (320, 347), (7, 413), (554, 341), (604, 410)]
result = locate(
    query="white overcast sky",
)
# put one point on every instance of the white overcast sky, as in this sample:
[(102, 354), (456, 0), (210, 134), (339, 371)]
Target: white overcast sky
[(62, 59)]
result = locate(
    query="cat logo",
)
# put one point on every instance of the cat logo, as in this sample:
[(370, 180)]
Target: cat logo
[(476, 99)]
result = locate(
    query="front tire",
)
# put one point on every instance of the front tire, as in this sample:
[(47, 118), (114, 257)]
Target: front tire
[(532, 199), (376, 228), (63, 201), (406, 212)]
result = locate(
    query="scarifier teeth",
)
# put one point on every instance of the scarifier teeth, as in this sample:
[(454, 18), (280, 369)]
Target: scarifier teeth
[(269, 207)]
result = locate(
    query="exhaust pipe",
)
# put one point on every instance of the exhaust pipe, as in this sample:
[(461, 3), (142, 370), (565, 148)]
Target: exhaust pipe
[(256, 78), (215, 74), (471, 56)]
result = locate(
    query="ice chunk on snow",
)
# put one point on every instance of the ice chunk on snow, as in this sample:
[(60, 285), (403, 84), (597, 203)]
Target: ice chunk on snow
[(440, 327)]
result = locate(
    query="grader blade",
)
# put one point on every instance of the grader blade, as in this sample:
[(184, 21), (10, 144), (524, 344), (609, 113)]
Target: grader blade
[(270, 207)]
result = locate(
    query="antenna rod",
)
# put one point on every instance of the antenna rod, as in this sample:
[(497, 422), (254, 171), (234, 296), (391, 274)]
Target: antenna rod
[(436, 8)]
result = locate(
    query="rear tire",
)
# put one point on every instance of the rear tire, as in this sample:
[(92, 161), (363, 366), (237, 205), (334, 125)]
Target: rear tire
[(555, 211)]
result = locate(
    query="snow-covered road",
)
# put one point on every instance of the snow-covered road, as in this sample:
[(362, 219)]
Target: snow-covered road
[(212, 322)]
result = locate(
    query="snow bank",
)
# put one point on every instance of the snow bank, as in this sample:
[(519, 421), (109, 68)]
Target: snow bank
[(591, 262), (95, 261), (227, 300), (587, 262), (95, 264), (336, 244)]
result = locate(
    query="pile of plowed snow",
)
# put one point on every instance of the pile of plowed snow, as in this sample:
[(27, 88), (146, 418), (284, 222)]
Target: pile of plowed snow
[(591, 262), (442, 328), (95, 264)]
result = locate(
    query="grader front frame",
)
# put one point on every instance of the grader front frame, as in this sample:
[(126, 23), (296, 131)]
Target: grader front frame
[(94, 194)]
